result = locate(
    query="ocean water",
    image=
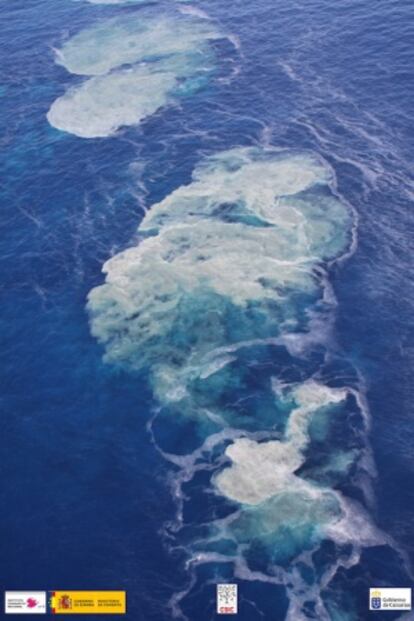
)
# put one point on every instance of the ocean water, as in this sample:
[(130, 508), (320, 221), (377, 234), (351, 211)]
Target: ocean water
[(206, 303)]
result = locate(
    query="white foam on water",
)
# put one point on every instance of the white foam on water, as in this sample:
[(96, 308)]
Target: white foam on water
[(231, 260), (256, 228), (261, 470), (196, 253), (258, 180), (194, 10), (193, 462), (356, 527), (138, 64), (132, 39), (100, 106), (270, 186)]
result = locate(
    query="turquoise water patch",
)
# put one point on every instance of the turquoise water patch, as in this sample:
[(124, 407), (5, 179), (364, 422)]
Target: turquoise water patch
[(184, 281), (286, 525)]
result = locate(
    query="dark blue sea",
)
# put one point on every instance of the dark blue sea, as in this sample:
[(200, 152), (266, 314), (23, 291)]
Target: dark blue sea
[(206, 303)]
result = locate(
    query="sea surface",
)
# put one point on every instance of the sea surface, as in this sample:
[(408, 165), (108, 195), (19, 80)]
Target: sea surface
[(206, 303)]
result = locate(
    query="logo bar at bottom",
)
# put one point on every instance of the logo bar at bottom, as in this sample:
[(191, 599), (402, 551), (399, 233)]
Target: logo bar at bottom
[(88, 602)]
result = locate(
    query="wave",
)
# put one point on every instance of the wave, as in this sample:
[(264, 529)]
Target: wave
[(137, 64), (226, 304)]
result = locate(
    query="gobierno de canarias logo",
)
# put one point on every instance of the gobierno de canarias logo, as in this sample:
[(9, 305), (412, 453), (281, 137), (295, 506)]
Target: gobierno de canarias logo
[(390, 598), (376, 600)]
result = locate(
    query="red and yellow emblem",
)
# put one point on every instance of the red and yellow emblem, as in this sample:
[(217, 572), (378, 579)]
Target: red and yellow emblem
[(88, 602)]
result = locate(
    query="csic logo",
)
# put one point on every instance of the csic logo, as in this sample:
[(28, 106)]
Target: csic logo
[(375, 600), (226, 598)]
